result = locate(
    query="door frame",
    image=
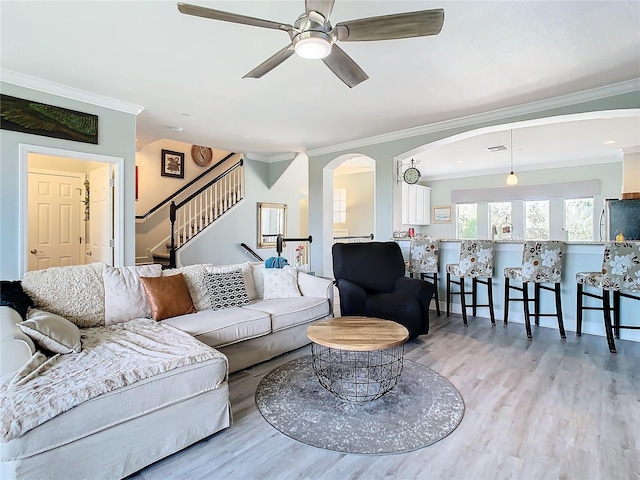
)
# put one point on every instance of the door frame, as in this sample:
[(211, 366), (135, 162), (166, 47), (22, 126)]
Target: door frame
[(81, 176), (118, 197)]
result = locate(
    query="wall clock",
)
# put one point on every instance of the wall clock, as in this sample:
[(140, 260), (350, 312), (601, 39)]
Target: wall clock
[(201, 156), (411, 175)]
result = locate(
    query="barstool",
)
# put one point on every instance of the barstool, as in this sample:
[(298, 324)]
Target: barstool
[(620, 274), (541, 263), (423, 260), (476, 262)]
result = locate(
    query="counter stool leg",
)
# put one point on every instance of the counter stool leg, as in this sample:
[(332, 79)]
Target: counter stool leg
[(437, 297), (579, 311), (616, 313), (559, 311), (525, 301), (448, 292), (607, 321), (506, 300), (490, 296), (536, 303), (463, 302), (474, 295)]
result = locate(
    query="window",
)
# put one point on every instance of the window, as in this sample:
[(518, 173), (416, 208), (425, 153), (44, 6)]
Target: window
[(339, 205), (500, 218), (467, 220), (536, 220), (578, 218)]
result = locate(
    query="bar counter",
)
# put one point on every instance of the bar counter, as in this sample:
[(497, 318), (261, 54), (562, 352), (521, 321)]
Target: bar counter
[(578, 256)]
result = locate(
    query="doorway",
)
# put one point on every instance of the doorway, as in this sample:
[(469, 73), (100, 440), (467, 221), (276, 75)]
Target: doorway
[(70, 208)]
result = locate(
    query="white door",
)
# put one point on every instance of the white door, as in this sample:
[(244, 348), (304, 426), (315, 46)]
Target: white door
[(100, 216), (53, 220)]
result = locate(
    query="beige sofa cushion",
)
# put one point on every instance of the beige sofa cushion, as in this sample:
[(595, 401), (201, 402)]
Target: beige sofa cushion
[(218, 328), (120, 406), (52, 332), (75, 293), (288, 312), (124, 296)]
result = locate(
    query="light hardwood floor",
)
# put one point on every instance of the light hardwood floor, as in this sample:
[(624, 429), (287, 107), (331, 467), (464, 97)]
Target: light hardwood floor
[(541, 409)]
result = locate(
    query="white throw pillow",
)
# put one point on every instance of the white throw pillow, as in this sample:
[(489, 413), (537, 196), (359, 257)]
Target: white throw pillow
[(281, 283), (124, 295), (247, 275), (52, 332), (194, 276), (258, 278)]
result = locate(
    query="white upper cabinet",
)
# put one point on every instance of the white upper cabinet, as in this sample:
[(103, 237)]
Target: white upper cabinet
[(416, 204)]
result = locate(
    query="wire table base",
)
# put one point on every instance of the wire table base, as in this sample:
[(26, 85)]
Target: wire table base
[(357, 376)]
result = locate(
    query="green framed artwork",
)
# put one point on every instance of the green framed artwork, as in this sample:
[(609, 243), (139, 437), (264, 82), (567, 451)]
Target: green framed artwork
[(26, 116)]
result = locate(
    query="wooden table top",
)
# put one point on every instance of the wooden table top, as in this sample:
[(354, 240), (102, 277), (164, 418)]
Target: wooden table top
[(357, 333)]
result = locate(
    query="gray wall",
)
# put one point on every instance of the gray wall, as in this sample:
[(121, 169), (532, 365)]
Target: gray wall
[(383, 153), (220, 243), (117, 134)]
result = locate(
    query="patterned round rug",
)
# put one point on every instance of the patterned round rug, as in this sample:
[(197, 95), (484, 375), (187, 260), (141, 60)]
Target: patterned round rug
[(422, 409)]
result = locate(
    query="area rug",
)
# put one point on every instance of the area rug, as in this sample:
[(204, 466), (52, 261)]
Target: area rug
[(422, 409)]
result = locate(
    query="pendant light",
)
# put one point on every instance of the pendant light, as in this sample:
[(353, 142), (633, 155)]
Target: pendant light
[(512, 178)]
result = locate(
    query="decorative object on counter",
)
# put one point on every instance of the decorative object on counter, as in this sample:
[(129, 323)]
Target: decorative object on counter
[(620, 274), (442, 214), (411, 175), (506, 229), (619, 235), (476, 262), (423, 260), (541, 263), (512, 178), (411, 232), (201, 156), (172, 164)]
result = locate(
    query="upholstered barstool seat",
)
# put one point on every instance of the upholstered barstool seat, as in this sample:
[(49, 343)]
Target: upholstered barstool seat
[(620, 274), (541, 263), (476, 262), (423, 261)]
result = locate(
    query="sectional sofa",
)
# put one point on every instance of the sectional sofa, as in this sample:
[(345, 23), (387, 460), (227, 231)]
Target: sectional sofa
[(92, 388)]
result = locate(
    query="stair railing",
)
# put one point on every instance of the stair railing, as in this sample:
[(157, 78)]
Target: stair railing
[(203, 207), (354, 239)]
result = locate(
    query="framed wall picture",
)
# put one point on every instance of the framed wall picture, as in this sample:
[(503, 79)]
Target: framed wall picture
[(172, 164), (441, 214)]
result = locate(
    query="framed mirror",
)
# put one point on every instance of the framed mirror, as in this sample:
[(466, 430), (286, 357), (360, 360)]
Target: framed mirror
[(272, 220)]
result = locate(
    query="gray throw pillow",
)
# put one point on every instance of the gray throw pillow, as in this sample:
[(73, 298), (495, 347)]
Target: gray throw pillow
[(226, 289)]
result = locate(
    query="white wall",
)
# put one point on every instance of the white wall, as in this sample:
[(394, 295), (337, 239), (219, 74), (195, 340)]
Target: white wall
[(609, 175), (360, 202), (388, 191), (116, 131), (220, 243)]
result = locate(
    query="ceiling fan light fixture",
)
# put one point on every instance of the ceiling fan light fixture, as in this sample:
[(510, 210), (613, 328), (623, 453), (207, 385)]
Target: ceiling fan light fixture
[(313, 45)]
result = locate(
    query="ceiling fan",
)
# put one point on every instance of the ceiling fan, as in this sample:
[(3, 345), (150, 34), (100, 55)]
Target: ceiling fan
[(313, 36)]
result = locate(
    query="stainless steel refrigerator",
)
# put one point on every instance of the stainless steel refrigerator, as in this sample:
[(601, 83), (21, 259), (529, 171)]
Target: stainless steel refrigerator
[(620, 216)]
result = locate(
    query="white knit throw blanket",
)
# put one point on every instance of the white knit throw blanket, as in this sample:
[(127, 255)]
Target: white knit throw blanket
[(111, 357)]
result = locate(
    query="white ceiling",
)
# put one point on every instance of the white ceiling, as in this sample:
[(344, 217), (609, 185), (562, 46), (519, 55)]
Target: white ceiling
[(186, 71)]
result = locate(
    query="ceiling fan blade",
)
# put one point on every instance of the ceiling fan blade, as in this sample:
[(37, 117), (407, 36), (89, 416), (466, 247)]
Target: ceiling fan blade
[(323, 7), (198, 11), (344, 67), (271, 63), (389, 27)]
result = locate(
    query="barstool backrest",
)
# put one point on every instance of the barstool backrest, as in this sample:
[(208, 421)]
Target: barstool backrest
[(621, 267), (542, 261), (476, 258), (423, 256)]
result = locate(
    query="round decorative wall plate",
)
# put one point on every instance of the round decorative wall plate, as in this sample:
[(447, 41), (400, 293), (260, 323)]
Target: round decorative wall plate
[(201, 156)]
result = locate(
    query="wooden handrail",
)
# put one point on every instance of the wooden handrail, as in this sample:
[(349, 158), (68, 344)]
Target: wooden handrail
[(184, 187)]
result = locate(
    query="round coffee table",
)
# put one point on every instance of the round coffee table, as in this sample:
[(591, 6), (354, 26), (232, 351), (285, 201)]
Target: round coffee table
[(358, 359)]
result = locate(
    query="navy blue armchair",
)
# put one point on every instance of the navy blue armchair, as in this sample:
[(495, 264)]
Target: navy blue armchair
[(370, 279)]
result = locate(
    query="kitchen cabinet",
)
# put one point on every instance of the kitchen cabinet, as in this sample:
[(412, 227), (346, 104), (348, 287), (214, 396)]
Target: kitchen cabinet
[(416, 204)]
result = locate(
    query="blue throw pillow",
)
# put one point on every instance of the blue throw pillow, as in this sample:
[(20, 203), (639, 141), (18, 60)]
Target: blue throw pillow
[(275, 262)]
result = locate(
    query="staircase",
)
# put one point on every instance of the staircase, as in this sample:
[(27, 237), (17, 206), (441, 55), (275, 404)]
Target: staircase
[(200, 210)]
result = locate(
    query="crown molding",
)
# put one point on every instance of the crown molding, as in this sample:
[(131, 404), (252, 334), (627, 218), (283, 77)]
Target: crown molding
[(527, 108), (34, 83)]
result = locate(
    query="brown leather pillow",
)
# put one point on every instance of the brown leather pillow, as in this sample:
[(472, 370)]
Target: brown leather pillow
[(168, 296)]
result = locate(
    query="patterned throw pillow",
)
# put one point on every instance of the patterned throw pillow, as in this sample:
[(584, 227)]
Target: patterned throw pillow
[(226, 289), (281, 283)]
